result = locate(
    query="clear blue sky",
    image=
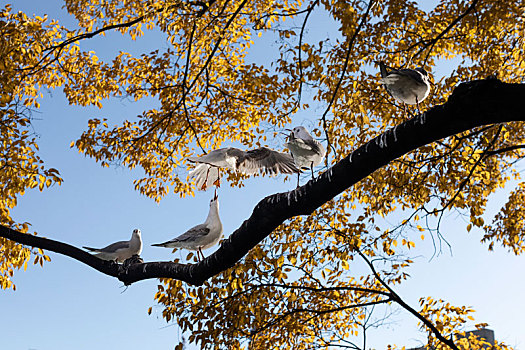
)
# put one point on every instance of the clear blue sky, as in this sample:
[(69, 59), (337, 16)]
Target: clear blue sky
[(67, 305)]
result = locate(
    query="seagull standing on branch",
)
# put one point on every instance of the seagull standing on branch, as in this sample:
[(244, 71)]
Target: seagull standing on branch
[(306, 152), (120, 251), (408, 86), (202, 236), (249, 162)]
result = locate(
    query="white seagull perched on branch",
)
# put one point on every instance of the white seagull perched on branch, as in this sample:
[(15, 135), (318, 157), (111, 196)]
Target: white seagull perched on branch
[(202, 236), (408, 86), (120, 251), (306, 152), (249, 162)]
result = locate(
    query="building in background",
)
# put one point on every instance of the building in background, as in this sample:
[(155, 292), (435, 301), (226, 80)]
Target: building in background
[(483, 334)]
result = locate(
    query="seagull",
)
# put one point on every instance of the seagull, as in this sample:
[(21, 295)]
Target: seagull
[(202, 236), (306, 152), (408, 86), (120, 251), (249, 162)]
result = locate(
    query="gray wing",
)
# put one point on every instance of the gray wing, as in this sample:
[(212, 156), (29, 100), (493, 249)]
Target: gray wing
[(193, 233), (111, 248), (314, 145), (268, 161), (412, 74)]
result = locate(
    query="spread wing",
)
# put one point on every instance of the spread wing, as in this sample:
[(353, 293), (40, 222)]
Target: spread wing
[(216, 158), (112, 248), (266, 160)]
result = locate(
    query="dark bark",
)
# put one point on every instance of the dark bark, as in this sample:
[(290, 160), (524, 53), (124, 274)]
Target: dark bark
[(471, 105)]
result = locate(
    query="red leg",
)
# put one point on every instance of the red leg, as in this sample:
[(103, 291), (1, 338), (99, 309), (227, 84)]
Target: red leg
[(205, 184), (218, 181)]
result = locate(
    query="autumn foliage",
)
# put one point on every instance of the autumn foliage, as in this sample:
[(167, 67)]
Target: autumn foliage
[(296, 289)]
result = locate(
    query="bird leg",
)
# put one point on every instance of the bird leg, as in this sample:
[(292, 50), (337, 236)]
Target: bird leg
[(205, 184), (202, 254), (417, 104), (298, 174), (312, 169), (218, 181)]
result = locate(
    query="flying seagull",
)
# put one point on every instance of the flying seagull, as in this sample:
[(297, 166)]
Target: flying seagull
[(120, 251), (202, 236), (249, 162), (306, 152), (408, 86)]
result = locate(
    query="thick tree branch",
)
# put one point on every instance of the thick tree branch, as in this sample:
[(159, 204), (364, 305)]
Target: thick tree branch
[(472, 104)]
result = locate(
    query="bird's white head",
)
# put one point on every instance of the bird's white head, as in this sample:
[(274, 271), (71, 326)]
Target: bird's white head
[(300, 132), (136, 232), (215, 199)]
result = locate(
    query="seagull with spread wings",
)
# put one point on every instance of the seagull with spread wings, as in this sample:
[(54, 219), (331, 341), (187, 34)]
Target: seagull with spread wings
[(408, 86), (202, 236), (120, 251), (262, 159)]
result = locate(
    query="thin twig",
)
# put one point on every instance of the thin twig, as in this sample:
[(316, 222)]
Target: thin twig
[(395, 297), (338, 85)]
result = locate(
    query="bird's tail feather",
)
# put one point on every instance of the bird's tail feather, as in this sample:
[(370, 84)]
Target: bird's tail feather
[(160, 244), (204, 176), (382, 67)]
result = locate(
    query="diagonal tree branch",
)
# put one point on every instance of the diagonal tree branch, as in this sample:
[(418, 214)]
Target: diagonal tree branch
[(472, 104), (434, 41), (395, 297)]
